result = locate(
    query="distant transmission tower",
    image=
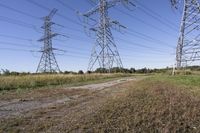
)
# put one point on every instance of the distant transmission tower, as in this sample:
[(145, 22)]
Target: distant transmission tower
[(188, 47), (105, 53), (48, 63)]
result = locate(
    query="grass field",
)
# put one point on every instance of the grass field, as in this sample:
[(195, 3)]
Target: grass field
[(36, 81), (157, 104)]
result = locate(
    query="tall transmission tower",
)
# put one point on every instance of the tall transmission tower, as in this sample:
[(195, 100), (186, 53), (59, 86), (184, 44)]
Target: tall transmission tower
[(104, 53), (48, 63), (188, 47)]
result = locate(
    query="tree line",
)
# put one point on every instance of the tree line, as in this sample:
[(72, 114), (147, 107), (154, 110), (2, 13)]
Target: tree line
[(103, 70)]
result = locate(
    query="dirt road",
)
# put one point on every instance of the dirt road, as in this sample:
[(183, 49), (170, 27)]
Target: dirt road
[(53, 110)]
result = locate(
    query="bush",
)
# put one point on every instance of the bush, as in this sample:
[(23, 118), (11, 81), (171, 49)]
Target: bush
[(80, 72)]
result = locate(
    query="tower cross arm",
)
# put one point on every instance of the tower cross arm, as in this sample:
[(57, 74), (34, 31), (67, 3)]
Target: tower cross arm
[(117, 23), (92, 11), (109, 4), (48, 37), (113, 3)]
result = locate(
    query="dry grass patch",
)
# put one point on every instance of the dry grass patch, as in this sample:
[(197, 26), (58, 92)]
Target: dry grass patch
[(149, 106), (45, 80), (157, 104)]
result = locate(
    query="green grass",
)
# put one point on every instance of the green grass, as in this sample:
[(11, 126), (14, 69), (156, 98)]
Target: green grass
[(36, 81), (156, 104), (184, 80)]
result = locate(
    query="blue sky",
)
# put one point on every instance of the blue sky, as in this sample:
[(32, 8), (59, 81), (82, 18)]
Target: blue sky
[(149, 40)]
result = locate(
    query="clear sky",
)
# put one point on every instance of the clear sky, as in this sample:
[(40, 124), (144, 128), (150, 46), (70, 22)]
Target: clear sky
[(149, 40)]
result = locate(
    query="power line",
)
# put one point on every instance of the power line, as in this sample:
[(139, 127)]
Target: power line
[(91, 3), (69, 28), (82, 56), (29, 15), (130, 42), (18, 22), (156, 17), (13, 49), (140, 45), (24, 24), (18, 11), (78, 50), (131, 32), (146, 36), (144, 22), (66, 5), (156, 14), (41, 6), (127, 42), (130, 48), (15, 37), (16, 44), (121, 40), (137, 34), (86, 57), (127, 58), (58, 14), (149, 38), (159, 20)]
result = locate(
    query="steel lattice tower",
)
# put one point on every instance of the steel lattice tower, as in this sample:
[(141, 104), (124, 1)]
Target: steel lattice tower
[(48, 63), (188, 47), (105, 53)]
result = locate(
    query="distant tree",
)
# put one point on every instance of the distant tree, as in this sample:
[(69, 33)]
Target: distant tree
[(116, 70), (89, 72), (101, 70), (80, 72), (143, 70), (66, 72), (71, 72), (23, 73), (194, 68), (125, 70), (15, 73), (132, 70), (5, 71)]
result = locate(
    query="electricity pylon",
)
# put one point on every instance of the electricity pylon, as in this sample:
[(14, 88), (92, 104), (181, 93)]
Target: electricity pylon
[(48, 63), (188, 47), (105, 53)]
